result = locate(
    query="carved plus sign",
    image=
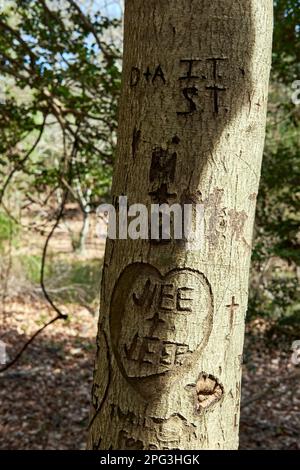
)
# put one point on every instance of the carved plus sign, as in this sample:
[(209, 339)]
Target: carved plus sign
[(233, 306)]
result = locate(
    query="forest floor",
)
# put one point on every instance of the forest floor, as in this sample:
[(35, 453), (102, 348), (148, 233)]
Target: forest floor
[(45, 397)]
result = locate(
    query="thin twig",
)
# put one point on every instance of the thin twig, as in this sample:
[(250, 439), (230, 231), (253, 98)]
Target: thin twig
[(271, 389), (16, 168)]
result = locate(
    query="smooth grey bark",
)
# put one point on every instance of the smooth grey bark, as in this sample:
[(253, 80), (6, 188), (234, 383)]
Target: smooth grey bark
[(191, 130)]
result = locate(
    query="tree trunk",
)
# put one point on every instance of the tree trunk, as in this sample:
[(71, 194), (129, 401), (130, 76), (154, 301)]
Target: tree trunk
[(191, 130)]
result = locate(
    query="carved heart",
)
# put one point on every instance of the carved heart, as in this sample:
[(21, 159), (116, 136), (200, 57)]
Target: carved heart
[(159, 324)]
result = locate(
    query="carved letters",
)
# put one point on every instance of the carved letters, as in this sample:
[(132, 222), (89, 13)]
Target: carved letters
[(163, 323), (189, 93)]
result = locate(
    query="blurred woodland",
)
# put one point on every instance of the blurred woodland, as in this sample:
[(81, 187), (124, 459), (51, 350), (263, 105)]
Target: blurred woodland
[(60, 75)]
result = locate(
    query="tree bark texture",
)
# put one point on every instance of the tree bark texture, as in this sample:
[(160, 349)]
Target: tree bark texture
[(191, 130)]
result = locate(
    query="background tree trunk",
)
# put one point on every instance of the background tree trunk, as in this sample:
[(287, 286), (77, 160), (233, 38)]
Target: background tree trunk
[(191, 129)]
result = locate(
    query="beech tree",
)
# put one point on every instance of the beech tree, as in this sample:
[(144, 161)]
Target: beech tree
[(191, 130)]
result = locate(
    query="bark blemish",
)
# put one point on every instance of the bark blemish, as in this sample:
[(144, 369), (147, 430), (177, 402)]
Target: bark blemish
[(208, 390)]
